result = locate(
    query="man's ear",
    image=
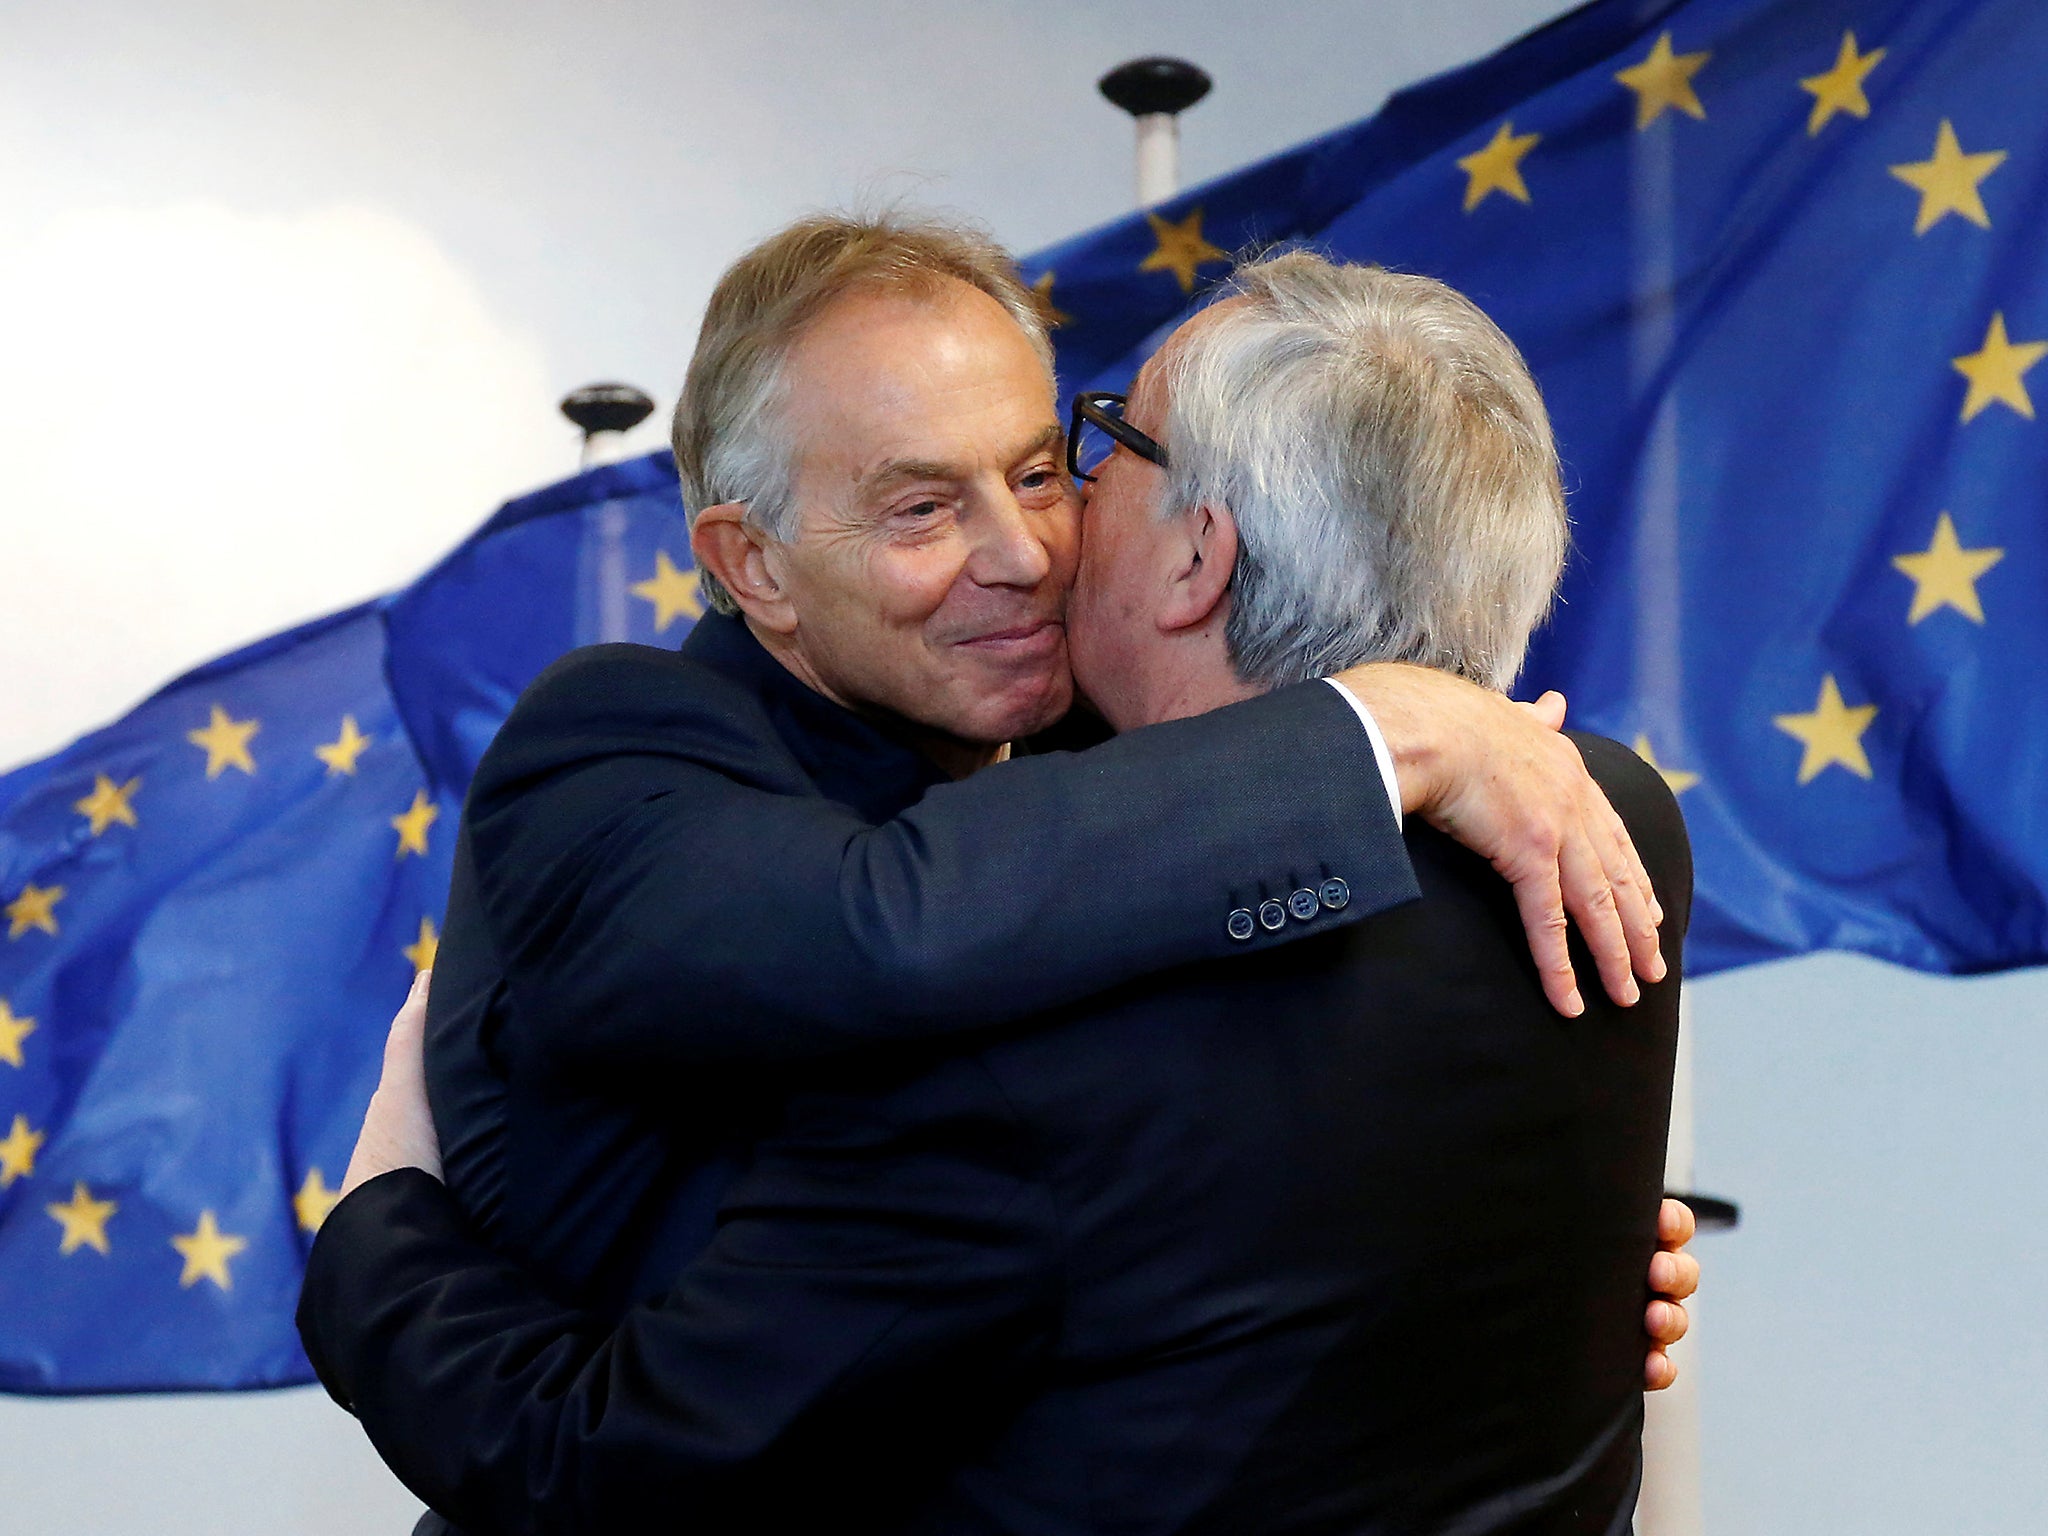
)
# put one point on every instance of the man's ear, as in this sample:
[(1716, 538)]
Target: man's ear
[(724, 543), (1205, 548)]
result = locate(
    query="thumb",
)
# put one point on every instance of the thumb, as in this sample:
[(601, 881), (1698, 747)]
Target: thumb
[(1548, 710)]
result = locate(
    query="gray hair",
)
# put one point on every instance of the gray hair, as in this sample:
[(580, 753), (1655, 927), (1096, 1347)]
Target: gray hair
[(1386, 456), (728, 432)]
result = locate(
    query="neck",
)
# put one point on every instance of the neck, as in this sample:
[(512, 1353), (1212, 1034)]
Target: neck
[(1182, 676), (956, 758)]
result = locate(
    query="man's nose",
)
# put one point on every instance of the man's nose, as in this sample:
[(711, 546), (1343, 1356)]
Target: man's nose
[(1010, 547)]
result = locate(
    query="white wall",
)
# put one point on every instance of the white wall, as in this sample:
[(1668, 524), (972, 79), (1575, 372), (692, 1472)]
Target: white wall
[(288, 293)]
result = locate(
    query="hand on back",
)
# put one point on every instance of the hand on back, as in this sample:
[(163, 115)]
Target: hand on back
[(1503, 780)]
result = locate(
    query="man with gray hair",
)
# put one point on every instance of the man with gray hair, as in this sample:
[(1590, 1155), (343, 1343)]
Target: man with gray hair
[(1388, 472), (1343, 1236)]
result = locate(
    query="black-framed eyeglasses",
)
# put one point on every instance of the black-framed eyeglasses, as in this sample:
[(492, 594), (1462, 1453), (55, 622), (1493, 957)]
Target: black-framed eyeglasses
[(1098, 425)]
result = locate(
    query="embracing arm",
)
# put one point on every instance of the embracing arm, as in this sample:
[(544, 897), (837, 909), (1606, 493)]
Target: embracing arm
[(651, 904), (635, 874)]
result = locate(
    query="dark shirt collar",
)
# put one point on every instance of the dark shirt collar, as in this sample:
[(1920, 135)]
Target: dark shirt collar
[(853, 760)]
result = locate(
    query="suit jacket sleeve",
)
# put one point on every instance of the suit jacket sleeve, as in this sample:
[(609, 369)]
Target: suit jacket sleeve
[(655, 906), (866, 1311)]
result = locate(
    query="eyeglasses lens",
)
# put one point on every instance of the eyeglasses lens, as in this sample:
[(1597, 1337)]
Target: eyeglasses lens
[(1095, 445)]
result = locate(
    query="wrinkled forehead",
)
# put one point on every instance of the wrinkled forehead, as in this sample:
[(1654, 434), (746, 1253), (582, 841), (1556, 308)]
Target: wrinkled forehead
[(945, 378)]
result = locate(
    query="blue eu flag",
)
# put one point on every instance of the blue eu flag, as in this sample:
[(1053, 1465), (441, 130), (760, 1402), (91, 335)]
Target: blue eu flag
[(1772, 263), (212, 909), (1776, 266)]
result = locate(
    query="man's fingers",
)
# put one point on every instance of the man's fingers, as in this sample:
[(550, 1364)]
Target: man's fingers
[(1658, 1371), (1541, 903), (1665, 1322), (405, 1045), (1641, 913), (1590, 899), (411, 1018), (1675, 1224), (398, 1127), (1674, 1276)]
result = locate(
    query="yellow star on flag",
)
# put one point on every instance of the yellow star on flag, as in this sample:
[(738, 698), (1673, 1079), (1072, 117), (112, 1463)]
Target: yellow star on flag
[(1498, 167), (226, 741), (1998, 371), (35, 907), (18, 1151), (1831, 733), (207, 1250), (411, 827), (1677, 780), (108, 803), (341, 753), (13, 1030), (1948, 182), (1181, 249), (313, 1201), (1054, 315), (84, 1220), (1945, 574), (421, 951), (1841, 88), (675, 594), (1664, 80)]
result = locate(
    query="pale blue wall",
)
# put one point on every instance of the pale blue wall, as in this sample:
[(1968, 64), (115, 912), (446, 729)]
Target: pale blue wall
[(1871, 1358)]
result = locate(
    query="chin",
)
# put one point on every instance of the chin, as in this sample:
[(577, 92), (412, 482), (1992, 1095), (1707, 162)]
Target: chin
[(1022, 712)]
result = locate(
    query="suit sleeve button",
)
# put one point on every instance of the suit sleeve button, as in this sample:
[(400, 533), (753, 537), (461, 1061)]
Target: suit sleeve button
[(1272, 916), (1239, 924), (1304, 904), (1335, 894)]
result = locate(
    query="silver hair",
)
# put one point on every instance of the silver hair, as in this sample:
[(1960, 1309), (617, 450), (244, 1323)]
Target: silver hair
[(730, 441), (1387, 460)]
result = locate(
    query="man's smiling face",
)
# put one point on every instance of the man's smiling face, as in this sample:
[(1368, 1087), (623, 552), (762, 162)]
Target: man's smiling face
[(939, 532)]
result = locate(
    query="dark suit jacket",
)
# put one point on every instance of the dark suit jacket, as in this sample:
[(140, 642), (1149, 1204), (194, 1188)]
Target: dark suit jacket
[(685, 882), (1347, 1236)]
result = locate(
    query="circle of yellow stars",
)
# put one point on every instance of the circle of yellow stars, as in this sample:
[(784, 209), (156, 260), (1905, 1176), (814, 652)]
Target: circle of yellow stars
[(1949, 183)]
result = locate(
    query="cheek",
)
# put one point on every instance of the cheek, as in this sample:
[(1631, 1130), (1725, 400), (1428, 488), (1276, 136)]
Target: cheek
[(1062, 533), (909, 583), (1097, 558)]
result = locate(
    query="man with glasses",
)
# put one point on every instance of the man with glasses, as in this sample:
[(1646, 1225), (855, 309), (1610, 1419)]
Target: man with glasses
[(678, 873)]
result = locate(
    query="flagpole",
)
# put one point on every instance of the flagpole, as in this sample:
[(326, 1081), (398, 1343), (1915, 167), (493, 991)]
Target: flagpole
[(605, 413), (1155, 92)]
